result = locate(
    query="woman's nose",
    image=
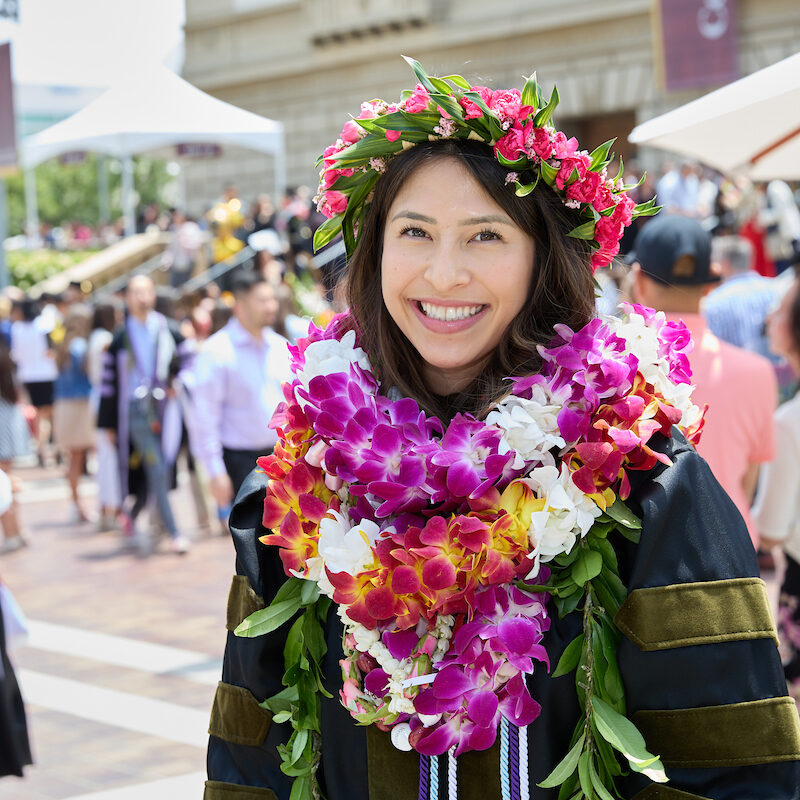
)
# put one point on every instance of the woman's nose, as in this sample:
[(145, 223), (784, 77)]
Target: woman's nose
[(446, 269)]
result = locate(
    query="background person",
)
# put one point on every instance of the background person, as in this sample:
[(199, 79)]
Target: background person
[(777, 507), (107, 316), (238, 376), (671, 266), (36, 370), (73, 427), (140, 365)]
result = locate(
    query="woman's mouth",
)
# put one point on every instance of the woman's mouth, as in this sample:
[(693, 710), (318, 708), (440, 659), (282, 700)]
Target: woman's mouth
[(448, 313), (449, 318)]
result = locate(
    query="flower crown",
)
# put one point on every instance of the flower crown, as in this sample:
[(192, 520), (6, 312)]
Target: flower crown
[(516, 124)]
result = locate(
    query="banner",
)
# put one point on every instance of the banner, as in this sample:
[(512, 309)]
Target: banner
[(699, 43), (8, 138)]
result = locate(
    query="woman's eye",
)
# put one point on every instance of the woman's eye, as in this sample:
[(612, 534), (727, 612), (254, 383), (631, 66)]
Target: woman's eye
[(487, 236), (415, 233)]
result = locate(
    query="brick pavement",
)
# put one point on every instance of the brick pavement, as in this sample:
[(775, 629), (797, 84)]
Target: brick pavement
[(78, 580)]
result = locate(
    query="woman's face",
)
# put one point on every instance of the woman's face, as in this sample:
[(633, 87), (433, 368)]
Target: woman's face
[(779, 330), (455, 271)]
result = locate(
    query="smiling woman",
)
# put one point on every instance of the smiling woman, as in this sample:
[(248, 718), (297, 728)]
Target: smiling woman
[(480, 488)]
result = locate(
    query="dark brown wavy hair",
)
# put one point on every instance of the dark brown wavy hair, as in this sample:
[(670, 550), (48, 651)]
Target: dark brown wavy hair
[(561, 288)]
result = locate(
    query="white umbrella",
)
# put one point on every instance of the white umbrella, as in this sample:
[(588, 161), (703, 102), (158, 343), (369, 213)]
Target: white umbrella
[(750, 126)]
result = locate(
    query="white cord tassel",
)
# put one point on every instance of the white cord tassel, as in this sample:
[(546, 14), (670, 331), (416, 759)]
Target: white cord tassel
[(452, 775), (524, 788)]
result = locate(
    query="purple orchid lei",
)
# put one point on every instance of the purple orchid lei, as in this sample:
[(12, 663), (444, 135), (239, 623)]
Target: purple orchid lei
[(435, 543)]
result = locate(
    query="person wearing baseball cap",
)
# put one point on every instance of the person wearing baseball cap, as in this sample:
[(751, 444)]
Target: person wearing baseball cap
[(672, 271)]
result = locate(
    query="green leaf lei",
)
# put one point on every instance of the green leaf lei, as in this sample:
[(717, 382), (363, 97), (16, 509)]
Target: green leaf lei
[(588, 575)]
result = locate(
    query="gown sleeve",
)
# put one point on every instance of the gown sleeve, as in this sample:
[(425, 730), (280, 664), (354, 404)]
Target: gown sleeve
[(703, 678), (243, 761)]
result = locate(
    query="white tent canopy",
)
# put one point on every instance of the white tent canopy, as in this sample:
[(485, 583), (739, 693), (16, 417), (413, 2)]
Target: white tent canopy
[(153, 109), (750, 126)]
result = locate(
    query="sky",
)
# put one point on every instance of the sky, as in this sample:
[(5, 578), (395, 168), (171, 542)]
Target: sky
[(92, 42)]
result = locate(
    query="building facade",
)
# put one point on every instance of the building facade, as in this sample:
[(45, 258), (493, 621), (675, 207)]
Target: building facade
[(310, 63)]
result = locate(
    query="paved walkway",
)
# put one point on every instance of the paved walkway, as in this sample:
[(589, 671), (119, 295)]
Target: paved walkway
[(124, 653)]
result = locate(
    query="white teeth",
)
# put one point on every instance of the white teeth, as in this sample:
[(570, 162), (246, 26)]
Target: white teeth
[(449, 313)]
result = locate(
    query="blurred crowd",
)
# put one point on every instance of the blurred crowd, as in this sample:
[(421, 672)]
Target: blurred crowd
[(181, 373)]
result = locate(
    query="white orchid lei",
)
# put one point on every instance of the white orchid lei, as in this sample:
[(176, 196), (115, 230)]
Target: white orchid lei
[(440, 545)]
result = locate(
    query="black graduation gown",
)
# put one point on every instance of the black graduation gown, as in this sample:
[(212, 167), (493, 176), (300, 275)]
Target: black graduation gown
[(696, 652)]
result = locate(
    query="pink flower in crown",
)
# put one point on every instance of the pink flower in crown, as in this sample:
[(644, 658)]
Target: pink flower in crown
[(471, 109), (419, 100), (372, 108), (623, 212), (332, 203), (512, 145), (604, 198), (330, 153), (330, 176), (507, 105), (392, 136), (563, 147), (579, 163), (352, 132), (541, 143), (585, 190)]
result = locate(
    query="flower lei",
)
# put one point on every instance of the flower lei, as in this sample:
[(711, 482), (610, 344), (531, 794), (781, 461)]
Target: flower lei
[(516, 124), (439, 546)]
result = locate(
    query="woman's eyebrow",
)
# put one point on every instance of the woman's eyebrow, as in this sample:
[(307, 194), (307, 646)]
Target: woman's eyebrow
[(501, 218), (414, 215)]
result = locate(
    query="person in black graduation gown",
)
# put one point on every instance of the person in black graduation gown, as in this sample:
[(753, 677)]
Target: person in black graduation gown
[(698, 654)]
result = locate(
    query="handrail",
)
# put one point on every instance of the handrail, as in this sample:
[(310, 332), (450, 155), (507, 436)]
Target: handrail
[(218, 270), (146, 268)]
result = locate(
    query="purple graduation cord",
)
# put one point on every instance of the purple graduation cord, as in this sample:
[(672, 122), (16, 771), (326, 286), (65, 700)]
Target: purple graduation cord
[(513, 761), (424, 772)]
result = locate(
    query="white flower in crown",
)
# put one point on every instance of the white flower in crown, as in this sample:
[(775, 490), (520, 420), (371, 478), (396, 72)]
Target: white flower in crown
[(344, 547), (330, 356), (530, 427), (567, 514)]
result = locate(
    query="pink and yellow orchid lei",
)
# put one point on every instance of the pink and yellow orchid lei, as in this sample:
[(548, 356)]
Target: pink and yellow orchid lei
[(433, 541), (516, 124)]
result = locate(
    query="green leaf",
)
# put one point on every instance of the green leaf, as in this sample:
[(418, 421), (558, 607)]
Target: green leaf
[(599, 155), (620, 513), (300, 739), (326, 232), (548, 173), (545, 115), (606, 550), (583, 773), (301, 788), (623, 735), (422, 76), (309, 593), (565, 767), (586, 567), (313, 635), (530, 92), (566, 605), (282, 716), (585, 231), (570, 657), (268, 619), (520, 162), (607, 755), (597, 783), (462, 83)]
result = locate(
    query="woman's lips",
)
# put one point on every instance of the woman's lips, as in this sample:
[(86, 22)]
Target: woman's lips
[(447, 326)]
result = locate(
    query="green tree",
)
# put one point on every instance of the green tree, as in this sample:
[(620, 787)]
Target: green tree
[(69, 192)]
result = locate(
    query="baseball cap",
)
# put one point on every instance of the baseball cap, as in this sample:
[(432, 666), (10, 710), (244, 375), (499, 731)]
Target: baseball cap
[(674, 250)]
